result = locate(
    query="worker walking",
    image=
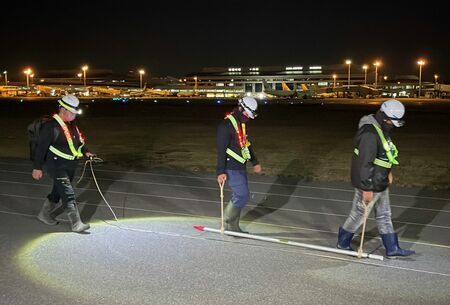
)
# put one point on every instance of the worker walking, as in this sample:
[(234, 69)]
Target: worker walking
[(58, 147), (233, 152), (374, 155)]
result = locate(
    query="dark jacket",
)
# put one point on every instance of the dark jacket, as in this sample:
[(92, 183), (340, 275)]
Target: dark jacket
[(227, 138), (52, 133), (365, 174)]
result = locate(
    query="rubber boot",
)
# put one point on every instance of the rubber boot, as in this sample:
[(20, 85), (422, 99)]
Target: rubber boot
[(344, 239), (390, 242), (75, 220), (232, 215), (237, 223), (45, 214), (58, 210)]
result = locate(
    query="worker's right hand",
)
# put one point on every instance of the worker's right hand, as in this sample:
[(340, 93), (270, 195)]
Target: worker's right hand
[(367, 197), (221, 178), (37, 174), (90, 155)]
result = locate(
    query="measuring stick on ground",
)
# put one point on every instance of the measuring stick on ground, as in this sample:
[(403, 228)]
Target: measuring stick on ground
[(292, 243)]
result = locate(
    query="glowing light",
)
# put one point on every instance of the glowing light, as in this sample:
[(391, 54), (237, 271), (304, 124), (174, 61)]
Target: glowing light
[(33, 262), (36, 259)]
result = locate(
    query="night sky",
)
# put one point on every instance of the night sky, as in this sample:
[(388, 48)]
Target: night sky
[(175, 39)]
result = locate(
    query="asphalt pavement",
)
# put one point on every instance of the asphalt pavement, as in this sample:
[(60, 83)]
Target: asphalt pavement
[(152, 255)]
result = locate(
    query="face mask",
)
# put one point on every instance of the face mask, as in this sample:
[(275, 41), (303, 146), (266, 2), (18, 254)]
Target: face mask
[(381, 117), (241, 116), (386, 127)]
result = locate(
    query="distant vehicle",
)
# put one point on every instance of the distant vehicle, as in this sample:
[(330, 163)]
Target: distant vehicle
[(187, 94), (140, 92), (285, 92), (305, 92), (159, 92), (106, 90), (317, 92), (358, 91)]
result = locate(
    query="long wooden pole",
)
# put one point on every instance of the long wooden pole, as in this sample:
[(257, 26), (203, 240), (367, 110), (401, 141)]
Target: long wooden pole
[(222, 229)]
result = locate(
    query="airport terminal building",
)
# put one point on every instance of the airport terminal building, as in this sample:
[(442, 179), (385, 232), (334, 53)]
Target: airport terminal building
[(228, 81), (296, 81)]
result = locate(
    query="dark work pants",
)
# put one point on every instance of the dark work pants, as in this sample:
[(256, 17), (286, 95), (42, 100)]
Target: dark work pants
[(62, 185), (237, 180)]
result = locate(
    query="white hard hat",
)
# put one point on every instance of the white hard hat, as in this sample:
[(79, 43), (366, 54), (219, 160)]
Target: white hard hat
[(250, 106), (394, 110), (70, 102)]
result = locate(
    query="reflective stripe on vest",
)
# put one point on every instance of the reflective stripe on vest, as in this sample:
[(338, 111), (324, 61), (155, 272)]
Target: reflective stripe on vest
[(377, 161), (243, 142), (60, 153), (75, 153), (236, 156)]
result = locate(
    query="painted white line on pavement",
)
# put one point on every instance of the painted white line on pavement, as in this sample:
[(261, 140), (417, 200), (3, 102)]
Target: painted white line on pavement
[(250, 181)]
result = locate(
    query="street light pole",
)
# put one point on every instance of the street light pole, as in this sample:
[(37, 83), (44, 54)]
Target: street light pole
[(365, 67), (80, 75), (334, 80), (348, 62), (436, 87), (376, 64), (84, 68), (32, 78), (195, 87), (141, 72), (420, 63), (27, 73), (6, 77)]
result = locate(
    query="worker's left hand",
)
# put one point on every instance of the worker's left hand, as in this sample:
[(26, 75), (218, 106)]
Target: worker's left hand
[(257, 169), (37, 174), (391, 178), (90, 155)]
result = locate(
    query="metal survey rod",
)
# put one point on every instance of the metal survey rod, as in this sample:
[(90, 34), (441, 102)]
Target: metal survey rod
[(292, 243)]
